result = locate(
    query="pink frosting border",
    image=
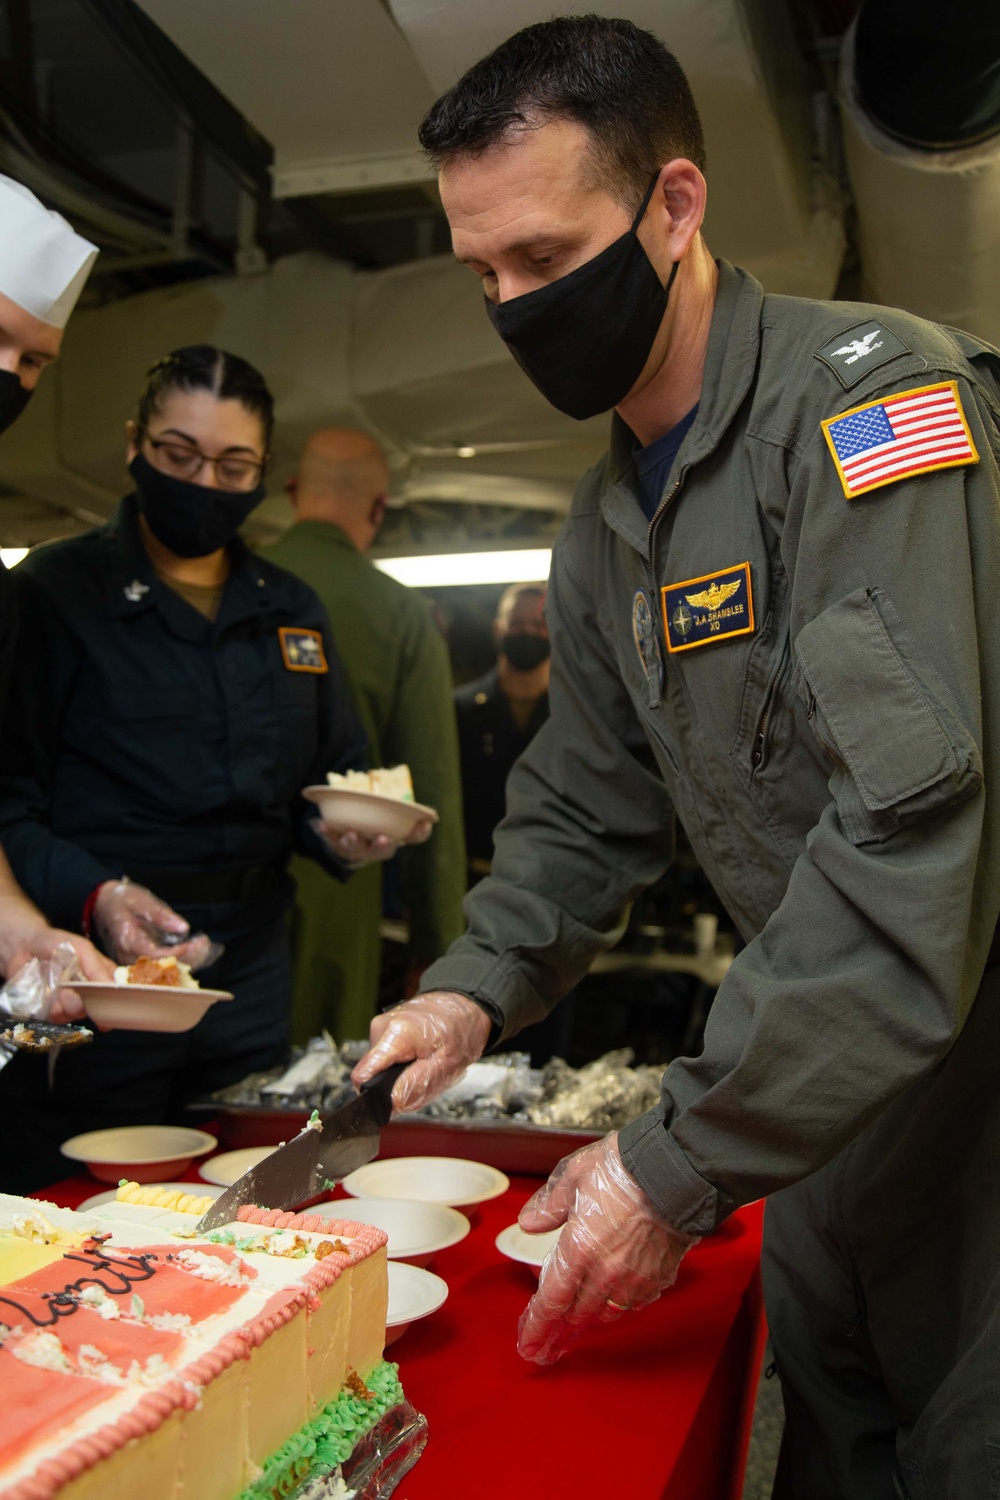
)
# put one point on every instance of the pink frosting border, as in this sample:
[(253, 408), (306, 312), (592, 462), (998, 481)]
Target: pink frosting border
[(154, 1408), (368, 1239)]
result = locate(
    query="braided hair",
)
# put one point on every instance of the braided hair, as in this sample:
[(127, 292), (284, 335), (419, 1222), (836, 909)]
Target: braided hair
[(203, 367)]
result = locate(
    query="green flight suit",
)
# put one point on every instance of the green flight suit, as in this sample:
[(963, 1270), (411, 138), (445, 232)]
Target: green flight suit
[(812, 682), (396, 664)]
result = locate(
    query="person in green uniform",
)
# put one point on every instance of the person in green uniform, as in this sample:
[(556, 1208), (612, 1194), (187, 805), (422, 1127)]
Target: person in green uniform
[(396, 663), (784, 633)]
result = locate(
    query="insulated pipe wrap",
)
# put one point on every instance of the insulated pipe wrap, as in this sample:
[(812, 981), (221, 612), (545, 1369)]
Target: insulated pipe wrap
[(928, 220)]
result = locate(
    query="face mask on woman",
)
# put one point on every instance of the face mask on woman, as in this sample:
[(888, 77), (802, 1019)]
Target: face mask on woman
[(191, 520)]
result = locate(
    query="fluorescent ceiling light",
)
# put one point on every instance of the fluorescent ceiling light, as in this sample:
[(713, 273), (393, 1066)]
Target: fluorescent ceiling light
[(526, 565), (11, 556)]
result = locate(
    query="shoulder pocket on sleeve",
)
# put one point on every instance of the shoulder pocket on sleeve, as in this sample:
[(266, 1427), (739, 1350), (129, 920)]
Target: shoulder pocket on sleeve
[(882, 715)]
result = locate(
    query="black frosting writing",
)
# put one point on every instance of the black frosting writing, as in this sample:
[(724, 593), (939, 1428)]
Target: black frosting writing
[(116, 1275)]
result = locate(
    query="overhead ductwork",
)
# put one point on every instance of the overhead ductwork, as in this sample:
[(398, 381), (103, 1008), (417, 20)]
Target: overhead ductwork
[(339, 93), (407, 353), (921, 122)]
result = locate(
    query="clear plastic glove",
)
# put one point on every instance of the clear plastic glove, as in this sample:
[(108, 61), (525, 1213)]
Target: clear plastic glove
[(356, 850), (441, 1034), (130, 921), (42, 973), (615, 1253)]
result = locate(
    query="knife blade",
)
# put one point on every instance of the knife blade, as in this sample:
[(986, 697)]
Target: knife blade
[(322, 1154)]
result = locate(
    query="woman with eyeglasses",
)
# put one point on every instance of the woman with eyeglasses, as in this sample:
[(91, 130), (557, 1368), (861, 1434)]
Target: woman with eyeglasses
[(174, 694)]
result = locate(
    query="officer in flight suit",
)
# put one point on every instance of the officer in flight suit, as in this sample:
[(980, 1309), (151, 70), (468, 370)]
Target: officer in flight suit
[(789, 636)]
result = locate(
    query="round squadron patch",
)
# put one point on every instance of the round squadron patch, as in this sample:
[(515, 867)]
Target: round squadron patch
[(647, 644)]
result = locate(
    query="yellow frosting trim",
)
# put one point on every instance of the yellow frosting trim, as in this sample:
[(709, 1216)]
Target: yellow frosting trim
[(156, 1197)]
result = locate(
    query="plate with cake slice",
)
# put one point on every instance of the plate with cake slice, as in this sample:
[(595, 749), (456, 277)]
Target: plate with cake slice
[(371, 802), (153, 994)]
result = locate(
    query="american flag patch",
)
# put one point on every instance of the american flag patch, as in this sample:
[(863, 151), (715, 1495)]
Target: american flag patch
[(913, 432)]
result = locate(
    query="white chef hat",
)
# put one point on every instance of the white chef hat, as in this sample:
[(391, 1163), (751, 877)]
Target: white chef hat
[(43, 261)]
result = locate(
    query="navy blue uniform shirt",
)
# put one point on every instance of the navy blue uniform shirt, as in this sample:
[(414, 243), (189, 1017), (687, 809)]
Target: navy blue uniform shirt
[(490, 741), (653, 463), (140, 734)]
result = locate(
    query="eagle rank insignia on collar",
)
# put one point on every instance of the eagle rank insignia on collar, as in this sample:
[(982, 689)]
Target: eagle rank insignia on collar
[(715, 607), (302, 650)]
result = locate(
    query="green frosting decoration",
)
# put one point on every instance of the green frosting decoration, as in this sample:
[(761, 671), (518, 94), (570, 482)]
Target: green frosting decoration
[(329, 1438)]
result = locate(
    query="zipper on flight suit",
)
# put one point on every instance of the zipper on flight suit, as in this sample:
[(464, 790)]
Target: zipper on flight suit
[(760, 744), (657, 513)]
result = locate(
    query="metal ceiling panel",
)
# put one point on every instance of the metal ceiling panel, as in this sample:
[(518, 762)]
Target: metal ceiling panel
[(332, 84)]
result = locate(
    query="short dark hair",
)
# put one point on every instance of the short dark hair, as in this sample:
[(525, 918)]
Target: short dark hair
[(203, 367), (615, 79)]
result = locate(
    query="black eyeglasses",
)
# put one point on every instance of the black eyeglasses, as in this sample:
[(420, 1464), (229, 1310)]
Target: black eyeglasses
[(184, 462)]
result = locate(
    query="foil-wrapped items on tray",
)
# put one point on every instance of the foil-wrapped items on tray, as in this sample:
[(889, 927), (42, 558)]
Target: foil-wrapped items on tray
[(601, 1096), (318, 1077)]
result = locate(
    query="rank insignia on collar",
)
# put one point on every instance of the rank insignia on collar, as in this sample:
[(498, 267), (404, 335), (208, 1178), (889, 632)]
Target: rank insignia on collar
[(302, 650), (135, 590), (907, 433), (647, 645), (714, 607), (863, 347)]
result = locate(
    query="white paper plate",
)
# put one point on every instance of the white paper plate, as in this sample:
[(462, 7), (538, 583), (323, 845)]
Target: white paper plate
[(145, 1007), (228, 1167), (201, 1189), (413, 1294), (417, 1231), (529, 1249), (428, 1179), (144, 1153), (368, 813)]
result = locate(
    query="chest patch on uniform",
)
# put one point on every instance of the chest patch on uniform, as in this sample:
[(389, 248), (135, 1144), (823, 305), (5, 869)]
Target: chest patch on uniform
[(714, 607), (912, 432), (647, 645), (302, 649), (859, 349)]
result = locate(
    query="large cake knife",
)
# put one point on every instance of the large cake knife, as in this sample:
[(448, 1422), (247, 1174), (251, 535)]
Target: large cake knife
[(321, 1155)]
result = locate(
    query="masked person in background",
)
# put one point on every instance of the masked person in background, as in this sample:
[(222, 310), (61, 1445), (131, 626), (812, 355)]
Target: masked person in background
[(43, 266), (172, 697), (500, 714)]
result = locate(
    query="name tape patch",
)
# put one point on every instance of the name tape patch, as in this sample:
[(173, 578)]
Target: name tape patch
[(913, 432), (715, 607), (302, 650)]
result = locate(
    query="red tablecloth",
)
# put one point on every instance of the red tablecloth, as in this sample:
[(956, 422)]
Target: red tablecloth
[(655, 1407)]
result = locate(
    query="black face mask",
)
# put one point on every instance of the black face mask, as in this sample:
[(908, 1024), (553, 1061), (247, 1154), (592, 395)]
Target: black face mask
[(13, 399), (525, 651), (583, 340), (191, 520)]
